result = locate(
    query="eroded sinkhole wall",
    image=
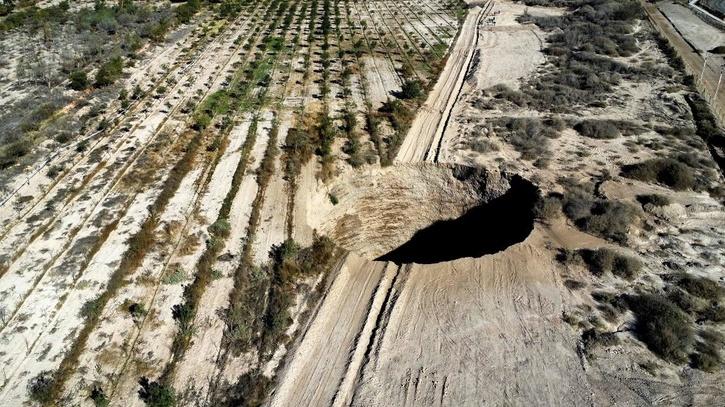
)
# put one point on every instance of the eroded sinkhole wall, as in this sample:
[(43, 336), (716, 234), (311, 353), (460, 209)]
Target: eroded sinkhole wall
[(428, 213)]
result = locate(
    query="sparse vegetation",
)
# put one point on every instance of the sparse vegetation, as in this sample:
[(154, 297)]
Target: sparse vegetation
[(666, 171), (601, 261), (662, 326), (40, 387), (653, 199), (597, 129), (155, 394)]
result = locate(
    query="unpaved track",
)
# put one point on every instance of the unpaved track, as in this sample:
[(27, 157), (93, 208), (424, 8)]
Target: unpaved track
[(448, 334), (317, 369), (429, 125), (693, 60)]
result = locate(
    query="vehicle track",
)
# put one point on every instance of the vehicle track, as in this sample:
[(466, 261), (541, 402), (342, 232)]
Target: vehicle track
[(426, 132)]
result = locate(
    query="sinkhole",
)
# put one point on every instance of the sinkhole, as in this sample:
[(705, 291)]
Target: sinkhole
[(427, 213)]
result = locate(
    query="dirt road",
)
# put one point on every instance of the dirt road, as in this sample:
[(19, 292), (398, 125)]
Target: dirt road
[(693, 60), (433, 335), (426, 132)]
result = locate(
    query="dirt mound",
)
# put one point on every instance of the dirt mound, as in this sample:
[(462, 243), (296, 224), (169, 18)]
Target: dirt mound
[(426, 213)]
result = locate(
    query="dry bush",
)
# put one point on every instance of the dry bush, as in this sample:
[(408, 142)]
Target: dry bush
[(601, 261), (653, 199), (707, 356), (666, 171), (529, 136), (698, 286), (482, 145), (548, 207), (608, 219), (597, 129), (662, 326), (593, 339)]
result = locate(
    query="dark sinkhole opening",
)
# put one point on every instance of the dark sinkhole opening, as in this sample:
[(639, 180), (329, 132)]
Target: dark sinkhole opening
[(485, 229)]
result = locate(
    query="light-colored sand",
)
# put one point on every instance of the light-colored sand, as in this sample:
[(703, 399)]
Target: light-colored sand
[(199, 367), (439, 335), (273, 215), (75, 220)]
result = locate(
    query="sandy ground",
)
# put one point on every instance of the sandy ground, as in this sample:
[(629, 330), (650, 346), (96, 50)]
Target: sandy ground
[(273, 218), (76, 221), (509, 53), (199, 367), (400, 340), (379, 209), (477, 331)]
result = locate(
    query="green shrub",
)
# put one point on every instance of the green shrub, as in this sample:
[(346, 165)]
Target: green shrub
[(220, 228), (109, 72), (78, 80), (175, 276), (136, 310), (40, 387), (662, 326), (250, 390), (98, 396), (186, 11), (202, 120), (91, 309), (665, 171), (54, 170), (154, 394), (411, 89)]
